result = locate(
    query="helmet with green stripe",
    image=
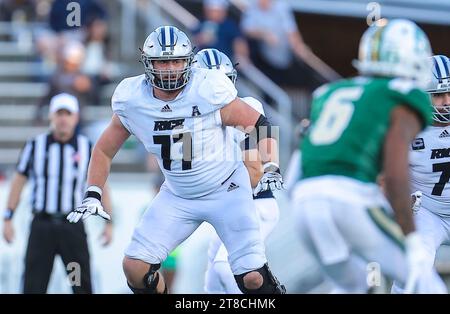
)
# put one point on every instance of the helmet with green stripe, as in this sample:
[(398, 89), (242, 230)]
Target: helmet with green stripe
[(439, 84), (211, 58), (167, 43), (395, 48)]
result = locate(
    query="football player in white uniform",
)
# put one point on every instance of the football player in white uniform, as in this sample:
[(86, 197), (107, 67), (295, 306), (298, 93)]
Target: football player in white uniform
[(429, 162), (219, 277), (180, 114)]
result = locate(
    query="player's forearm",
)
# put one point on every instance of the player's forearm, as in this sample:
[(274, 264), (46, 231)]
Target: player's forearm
[(253, 164), (99, 168), (396, 181), (18, 182), (404, 126), (106, 200), (268, 150), (399, 196)]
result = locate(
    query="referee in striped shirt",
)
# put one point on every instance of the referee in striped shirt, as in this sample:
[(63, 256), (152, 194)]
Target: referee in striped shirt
[(56, 164)]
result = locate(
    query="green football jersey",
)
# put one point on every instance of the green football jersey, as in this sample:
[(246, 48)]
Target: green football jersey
[(349, 122)]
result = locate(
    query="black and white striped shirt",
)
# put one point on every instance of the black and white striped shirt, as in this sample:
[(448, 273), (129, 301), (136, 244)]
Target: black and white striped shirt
[(57, 172)]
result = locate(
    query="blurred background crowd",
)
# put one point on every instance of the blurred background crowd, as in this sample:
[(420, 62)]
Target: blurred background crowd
[(283, 50)]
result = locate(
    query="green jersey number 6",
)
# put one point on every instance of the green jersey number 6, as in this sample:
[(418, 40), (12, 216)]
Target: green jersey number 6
[(335, 116)]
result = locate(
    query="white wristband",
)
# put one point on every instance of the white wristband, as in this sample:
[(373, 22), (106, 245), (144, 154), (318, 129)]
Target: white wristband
[(94, 188), (94, 192)]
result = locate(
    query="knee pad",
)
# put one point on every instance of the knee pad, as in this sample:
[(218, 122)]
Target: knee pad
[(151, 280), (270, 285)]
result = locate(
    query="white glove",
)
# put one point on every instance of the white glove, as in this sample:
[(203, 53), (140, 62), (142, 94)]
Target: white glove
[(417, 201), (271, 179), (89, 206), (417, 260)]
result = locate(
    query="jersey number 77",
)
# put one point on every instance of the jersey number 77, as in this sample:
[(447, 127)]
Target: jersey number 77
[(172, 145)]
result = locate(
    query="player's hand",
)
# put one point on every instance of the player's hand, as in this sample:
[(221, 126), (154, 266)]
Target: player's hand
[(271, 179), (90, 206), (8, 231), (416, 199), (417, 260)]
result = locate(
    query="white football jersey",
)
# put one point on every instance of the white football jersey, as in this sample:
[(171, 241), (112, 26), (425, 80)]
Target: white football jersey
[(239, 135), (430, 168), (193, 149)]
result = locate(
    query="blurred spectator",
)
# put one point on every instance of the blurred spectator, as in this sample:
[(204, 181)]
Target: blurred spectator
[(96, 63), (276, 41), (220, 32), (68, 78), (90, 10)]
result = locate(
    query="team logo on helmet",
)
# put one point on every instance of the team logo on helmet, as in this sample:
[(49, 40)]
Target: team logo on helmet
[(167, 43), (215, 59)]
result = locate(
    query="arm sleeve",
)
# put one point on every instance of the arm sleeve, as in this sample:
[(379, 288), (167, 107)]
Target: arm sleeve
[(26, 156)]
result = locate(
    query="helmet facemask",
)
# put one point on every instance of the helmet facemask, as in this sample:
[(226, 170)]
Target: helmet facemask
[(168, 80), (232, 76), (441, 113)]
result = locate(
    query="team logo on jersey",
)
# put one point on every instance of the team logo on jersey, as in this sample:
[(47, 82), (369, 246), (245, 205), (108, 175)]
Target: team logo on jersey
[(195, 111), (418, 144), (166, 108), (168, 125), (444, 133), (233, 186), (440, 153)]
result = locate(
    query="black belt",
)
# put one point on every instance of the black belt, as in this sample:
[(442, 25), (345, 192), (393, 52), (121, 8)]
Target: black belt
[(44, 215)]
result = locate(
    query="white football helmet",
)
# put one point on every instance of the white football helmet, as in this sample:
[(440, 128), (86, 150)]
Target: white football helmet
[(167, 43), (440, 83), (214, 59), (395, 48)]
